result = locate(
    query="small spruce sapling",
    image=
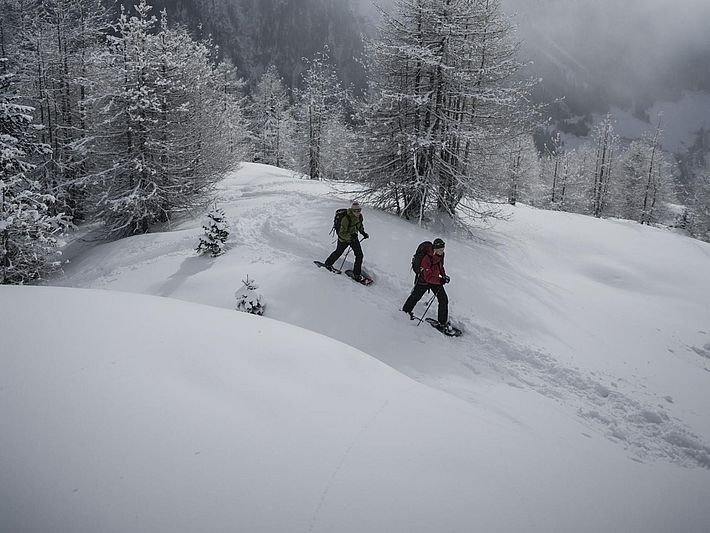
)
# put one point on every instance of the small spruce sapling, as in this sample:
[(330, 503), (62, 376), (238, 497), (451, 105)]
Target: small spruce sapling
[(216, 233), (248, 300)]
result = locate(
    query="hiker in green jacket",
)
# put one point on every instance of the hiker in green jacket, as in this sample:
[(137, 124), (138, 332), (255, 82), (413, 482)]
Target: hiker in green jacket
[(350, 226)]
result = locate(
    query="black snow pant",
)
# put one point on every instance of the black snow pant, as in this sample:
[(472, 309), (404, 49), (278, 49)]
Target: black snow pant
[(420, 290), (342, 246)]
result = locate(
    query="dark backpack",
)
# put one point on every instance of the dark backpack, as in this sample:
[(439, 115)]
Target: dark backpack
[(422, 250), (339, 214)]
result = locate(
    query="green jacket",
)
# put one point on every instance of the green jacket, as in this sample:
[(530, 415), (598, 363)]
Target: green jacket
[(350, 225)]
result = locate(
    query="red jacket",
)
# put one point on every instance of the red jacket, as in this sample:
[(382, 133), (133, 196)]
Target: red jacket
[(433, 269)]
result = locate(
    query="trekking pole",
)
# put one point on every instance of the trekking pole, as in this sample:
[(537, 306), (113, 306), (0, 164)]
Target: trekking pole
[(344, 258), (347, 254), (427, 308)]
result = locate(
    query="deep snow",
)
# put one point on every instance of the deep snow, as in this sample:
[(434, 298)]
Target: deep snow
[(576, 401)]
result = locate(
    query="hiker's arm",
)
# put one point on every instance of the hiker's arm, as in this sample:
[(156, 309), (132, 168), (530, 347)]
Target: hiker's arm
[(362, 229)]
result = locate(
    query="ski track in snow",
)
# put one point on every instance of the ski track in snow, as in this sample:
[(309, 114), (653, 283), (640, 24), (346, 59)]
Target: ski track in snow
[(272, 233), (642, 427)]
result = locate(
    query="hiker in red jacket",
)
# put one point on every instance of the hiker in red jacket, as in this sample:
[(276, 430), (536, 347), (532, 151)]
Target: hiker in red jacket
[(431, 277)]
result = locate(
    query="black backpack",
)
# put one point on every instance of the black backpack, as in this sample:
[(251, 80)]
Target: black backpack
[(422, 250), (339, 214)]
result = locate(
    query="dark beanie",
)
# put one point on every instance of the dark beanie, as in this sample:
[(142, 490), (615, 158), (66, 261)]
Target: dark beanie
[(438, 243)]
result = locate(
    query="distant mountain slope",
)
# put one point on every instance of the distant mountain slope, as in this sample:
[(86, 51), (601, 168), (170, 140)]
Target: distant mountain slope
[(258, 33), (597, 56), (606, 54)]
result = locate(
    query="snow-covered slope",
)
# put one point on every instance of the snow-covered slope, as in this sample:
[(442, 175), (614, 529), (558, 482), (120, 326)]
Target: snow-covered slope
[(610, 318), (142, 414), (577, 400)]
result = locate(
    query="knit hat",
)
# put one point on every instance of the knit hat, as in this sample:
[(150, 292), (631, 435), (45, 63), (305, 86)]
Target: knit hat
[(355, 205), (438, 243)]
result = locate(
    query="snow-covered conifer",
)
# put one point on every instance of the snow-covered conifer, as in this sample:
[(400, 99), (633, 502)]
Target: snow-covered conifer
[(567, 190), (445, 96), (694, 195), (248, 299), (27, 242), (644, 180), (319, 101), (228, 119), (272, 121), (339, 151), (126, 107), (216, 229), (573, 191), (157, 148), (633, 165), (601, 169), (55, 44), (554, 172), (522, 170), (698, 200)]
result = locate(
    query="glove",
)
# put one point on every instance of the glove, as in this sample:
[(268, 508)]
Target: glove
[(445, 279), (365, 235)]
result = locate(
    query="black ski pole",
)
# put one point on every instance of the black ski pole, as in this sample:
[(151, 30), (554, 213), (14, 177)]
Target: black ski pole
[(344, 258), (347, 254), (427, 308)]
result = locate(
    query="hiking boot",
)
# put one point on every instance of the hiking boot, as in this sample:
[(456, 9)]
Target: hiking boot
[(358, 277), (411, 314), (329, 267)]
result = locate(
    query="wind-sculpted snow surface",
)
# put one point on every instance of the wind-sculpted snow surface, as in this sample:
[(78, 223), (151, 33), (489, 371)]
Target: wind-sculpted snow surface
[(570, 322)]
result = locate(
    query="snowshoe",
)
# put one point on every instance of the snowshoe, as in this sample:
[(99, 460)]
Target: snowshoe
[(448, 329), (334, 270), (363, 280)]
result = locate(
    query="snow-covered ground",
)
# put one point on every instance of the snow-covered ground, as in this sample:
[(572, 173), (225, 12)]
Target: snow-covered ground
[(577, 400)]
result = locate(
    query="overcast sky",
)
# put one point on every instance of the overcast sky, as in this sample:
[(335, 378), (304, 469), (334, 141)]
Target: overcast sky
[(636, 46), (633, 23)]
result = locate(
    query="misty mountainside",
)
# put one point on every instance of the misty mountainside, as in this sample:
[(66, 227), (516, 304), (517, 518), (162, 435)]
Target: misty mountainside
[(255, 34), (633, 59)]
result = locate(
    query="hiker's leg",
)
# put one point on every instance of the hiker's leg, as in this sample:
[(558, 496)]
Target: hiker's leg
[(443, 315), (355, 245), (416, 295), (332, 258)]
